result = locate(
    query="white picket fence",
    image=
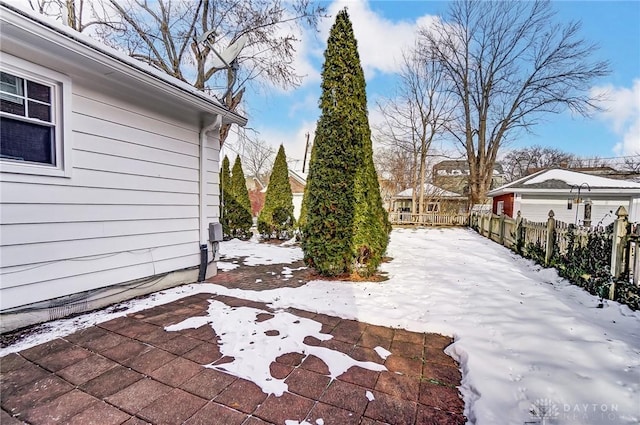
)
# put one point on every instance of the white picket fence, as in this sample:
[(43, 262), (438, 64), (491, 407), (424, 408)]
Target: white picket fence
[(429, 219)]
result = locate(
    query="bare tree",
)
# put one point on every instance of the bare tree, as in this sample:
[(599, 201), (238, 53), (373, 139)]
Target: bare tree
[(400, 152), (594, 162), (417, 114), (509, 64), (166, 34), (257, 159), (521, 162), (395, 168), (631, 164)]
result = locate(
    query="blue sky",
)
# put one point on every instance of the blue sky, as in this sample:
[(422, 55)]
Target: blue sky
[(383, 28)]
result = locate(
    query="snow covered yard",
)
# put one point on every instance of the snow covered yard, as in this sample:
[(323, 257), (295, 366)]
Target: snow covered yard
[(525, 339)]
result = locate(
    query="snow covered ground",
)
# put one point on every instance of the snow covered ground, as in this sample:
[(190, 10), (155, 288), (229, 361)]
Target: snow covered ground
[(526, 340)]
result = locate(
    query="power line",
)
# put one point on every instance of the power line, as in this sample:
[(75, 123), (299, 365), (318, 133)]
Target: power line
[(601, 158)]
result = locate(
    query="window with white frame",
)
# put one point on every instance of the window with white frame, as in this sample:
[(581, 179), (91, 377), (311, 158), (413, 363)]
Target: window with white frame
[(32, 136)]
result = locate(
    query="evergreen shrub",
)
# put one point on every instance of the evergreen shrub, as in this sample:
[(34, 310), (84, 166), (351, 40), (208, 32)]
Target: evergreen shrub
[(276, 219)]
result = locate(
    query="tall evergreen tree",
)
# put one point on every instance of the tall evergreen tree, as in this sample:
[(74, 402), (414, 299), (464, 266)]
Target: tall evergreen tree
[(346, 228), (238, 205), (225, 183), (276, 218)]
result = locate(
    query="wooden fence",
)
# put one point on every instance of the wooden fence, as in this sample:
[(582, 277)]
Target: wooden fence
[(429, 219), (519, 232), (632, 255)]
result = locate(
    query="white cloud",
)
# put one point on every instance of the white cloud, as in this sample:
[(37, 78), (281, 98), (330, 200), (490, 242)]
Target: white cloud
[(293, 139), (372, 31), (302, 63), (622, 114), (307, 104), (380, 40), (305, 50)]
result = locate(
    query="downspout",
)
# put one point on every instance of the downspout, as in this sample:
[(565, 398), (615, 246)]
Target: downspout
[(204, 242)]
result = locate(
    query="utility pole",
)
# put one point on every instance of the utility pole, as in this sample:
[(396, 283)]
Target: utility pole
[(306, 149)]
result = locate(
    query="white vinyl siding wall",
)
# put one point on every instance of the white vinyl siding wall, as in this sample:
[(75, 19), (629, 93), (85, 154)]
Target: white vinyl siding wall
[(297, 204), (602, 210), (129, 210)]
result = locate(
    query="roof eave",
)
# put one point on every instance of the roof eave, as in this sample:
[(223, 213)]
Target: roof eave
[(81, 45), (594, 190)]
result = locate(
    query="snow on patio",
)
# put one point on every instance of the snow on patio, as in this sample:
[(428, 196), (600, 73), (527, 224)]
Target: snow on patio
[(259, 253), (525, 339), (255, 338)]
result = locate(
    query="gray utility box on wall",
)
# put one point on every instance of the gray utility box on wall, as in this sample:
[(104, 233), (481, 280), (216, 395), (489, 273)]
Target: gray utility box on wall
[(215, 232)]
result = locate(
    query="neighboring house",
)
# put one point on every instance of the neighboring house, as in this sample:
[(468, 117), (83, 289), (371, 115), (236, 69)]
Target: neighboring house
[(298, 181), (436, 198), (602, 170), (254, 183), (109, 173), (256, 198), (454, 176), (557, 190), (257, 193)]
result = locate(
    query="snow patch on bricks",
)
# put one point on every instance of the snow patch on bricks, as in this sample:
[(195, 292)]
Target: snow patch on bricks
[(248, 340)]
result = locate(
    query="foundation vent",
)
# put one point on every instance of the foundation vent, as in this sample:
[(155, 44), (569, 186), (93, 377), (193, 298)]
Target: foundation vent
[(62, 309)]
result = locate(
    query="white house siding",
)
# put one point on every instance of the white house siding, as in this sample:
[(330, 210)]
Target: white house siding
[(297, 204), (602, 210), (634, 210), (130, 209)]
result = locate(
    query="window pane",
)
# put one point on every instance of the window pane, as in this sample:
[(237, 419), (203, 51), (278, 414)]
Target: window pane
[(27, 142), (12, 104), (38, 92), (39, 111), (11, 84)]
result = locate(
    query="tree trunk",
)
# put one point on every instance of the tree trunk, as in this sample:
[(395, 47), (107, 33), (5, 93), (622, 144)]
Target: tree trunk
[(423, 158), (71, 14), (414, 183)]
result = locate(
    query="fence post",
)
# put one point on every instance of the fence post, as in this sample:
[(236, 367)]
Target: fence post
[(551, 229), (519, 232), (501, 229), (492, 220), (617, 247), (487, 222)]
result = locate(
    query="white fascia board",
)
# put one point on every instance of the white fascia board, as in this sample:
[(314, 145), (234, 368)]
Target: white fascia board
[(624, 191), (15, 20)]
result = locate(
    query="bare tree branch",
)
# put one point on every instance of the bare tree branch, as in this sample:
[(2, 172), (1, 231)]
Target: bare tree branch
[(509, 64), (165, 34), (418, 114), (521, 162), (257, 159)]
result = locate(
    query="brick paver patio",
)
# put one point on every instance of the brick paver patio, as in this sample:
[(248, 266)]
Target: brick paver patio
[(131, 371)]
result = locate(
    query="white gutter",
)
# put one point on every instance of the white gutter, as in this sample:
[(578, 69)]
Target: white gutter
[(214, 127)]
